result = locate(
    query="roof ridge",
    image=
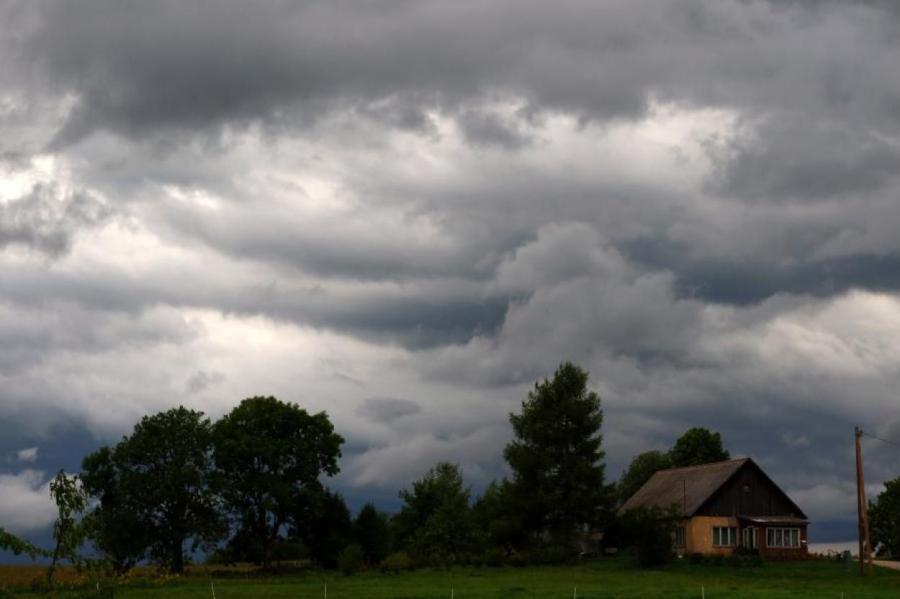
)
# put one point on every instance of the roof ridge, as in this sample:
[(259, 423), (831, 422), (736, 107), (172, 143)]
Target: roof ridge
[(696, 466)]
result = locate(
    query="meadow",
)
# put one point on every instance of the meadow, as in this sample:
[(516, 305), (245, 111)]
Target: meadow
[(604, 578)]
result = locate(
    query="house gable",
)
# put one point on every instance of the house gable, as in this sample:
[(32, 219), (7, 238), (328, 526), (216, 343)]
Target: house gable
[(750, 492)]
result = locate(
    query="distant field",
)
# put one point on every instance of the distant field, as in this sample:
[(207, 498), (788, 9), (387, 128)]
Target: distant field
[(607, 578)]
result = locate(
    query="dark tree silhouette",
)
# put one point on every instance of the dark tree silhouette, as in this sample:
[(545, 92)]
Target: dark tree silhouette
[(268, 455), (556, 456)]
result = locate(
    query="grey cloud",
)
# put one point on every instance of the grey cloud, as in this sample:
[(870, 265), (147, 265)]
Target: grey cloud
[(424, 314), (580, 298), (484, 128), (177, 66), (387, 409), (794, 159), (46, 219), (752, 281), (202, 380)]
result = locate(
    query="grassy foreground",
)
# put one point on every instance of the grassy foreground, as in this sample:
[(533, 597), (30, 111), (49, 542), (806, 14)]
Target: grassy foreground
[(605, 578)]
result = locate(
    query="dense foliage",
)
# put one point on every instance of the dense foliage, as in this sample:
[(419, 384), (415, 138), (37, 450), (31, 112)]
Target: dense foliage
[(697, 446), (435, 521), (161, 477), (372, 530), (269, 456), (556, 457), (649, 532), (884, 518)]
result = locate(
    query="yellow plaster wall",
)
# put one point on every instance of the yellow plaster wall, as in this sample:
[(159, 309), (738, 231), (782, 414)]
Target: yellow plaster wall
[(698, 535)]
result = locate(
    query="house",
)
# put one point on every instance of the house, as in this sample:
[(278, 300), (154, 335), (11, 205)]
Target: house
[(724, 506)]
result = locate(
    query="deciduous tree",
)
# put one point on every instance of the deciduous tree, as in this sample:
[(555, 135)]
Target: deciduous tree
[(161, 475), (268, 453), (642, 467), (884, 514), (114, 525), (435, 520), (697, 446)]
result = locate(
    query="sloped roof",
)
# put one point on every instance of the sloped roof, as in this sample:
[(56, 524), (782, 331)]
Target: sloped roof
[(686, 488)]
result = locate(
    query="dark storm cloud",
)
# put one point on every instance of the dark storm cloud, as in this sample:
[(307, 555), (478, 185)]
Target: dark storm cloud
[(418, 316), (137, 68), (806, 161), (750, 282)]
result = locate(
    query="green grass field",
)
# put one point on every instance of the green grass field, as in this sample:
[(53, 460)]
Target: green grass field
[(605, 578)]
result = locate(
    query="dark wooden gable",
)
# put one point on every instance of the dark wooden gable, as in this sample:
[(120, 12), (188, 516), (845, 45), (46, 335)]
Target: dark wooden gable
[(749, 492)]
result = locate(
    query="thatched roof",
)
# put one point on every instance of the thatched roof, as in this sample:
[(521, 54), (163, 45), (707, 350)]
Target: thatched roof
[(685, 488)]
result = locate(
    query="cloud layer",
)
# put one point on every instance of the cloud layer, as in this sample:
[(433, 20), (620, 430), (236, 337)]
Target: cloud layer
[(405, 214)]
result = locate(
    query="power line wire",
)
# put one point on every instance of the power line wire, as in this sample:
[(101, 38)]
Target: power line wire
[(889, 442)]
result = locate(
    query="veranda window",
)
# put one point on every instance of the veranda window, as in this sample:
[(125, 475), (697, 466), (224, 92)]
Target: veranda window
[(783, 537)]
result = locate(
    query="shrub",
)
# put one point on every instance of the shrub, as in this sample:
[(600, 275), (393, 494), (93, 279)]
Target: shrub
[(397, 562), (746, 558), (350, 560), (517, 559), (716, 560), (649, 531), (543, 555), (493, 557), (696, 558)]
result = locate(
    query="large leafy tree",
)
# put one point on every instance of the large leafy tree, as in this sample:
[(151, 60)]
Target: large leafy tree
[(160, 477), (435, 520), (884, 515), (115, 524), (270, 454), (642, 467), (697, 446), (322, 522), (556, 456)]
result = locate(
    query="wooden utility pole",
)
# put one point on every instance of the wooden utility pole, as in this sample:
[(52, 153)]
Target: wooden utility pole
[(862, 506)]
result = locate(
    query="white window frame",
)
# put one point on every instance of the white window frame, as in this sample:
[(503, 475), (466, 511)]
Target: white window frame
[(724, 533), (783, 538), (680, 532)]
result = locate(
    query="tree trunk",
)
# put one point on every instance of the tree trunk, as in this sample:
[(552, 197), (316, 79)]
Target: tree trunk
[(52, 567), (178, 556)]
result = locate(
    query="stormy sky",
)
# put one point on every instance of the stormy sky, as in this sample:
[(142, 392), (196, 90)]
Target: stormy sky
[(404, 213)]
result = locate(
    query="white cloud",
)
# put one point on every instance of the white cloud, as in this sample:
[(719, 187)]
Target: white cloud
[(29, 454), (25, 503)]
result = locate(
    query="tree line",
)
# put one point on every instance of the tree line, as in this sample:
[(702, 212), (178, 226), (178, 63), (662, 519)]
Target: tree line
[(250, 488)]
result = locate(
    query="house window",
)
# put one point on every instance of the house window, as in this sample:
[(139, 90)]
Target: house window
[(724, 536), (679, 536), (783, 537)]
